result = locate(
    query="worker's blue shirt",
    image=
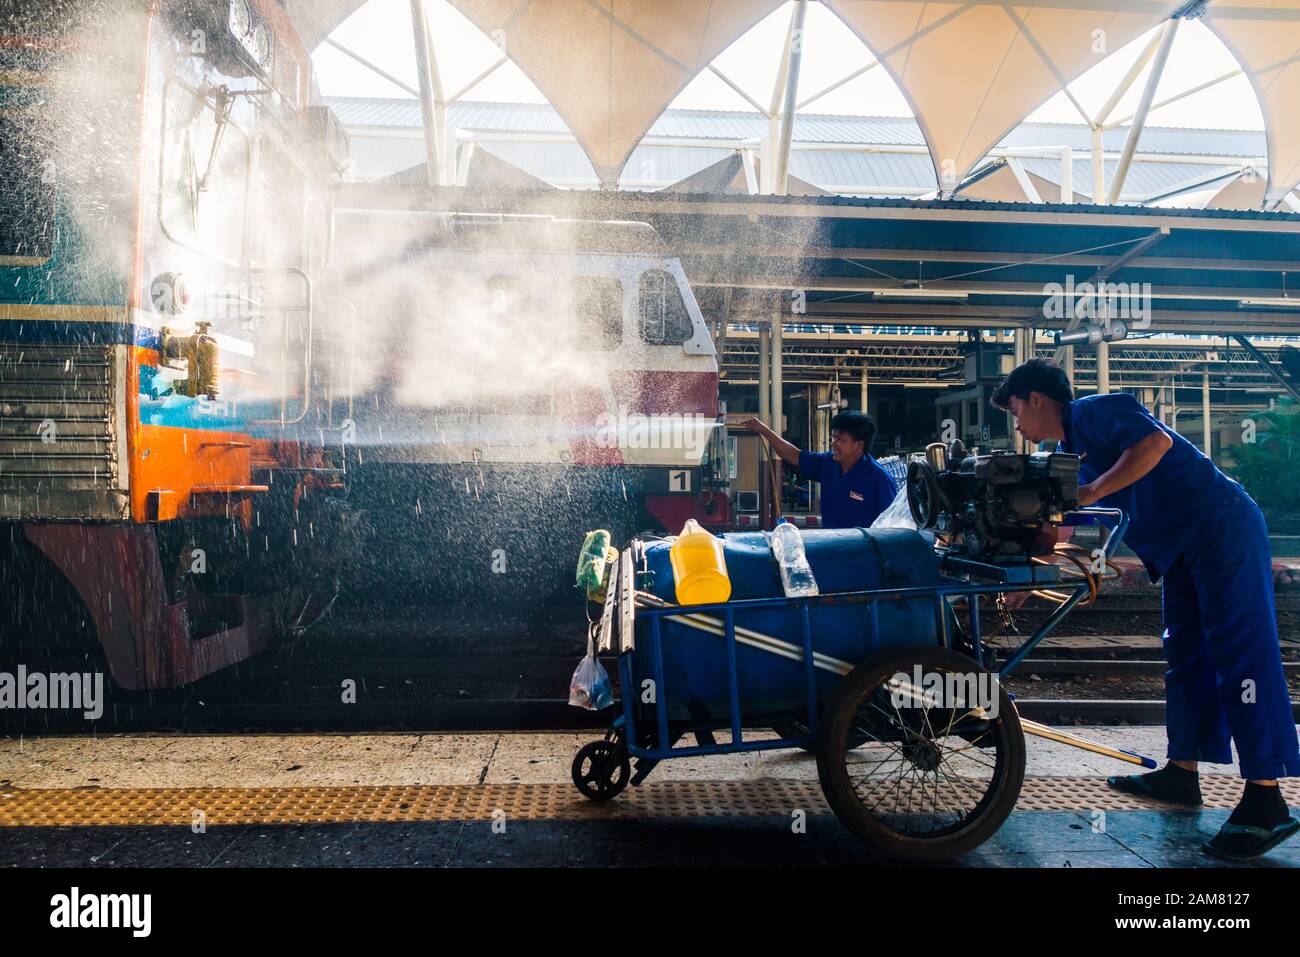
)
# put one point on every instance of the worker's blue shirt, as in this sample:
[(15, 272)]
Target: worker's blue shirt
[(1185, 498), (850, 499)]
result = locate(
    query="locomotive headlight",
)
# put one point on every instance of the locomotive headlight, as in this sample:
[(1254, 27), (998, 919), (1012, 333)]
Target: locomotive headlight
[(169, 294), (241, 19), (262, 45)]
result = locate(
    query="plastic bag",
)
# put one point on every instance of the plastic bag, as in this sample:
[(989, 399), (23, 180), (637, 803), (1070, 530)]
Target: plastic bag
[(590, 687), (899, 513)]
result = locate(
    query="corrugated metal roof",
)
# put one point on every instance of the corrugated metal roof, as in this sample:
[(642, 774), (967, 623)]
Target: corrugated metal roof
[(808, 128), (1144, 179), (564, 163)]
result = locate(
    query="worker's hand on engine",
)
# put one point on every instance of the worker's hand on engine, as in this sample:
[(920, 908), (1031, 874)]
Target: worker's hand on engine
[(1087, 495), (754, 425)]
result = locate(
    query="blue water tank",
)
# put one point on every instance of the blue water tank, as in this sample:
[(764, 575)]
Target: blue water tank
[(696, 687)]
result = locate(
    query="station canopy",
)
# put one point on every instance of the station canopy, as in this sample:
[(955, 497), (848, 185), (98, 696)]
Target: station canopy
[(972, 71)]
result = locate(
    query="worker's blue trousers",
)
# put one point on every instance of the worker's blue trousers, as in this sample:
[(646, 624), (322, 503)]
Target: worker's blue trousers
[(1225, 677)]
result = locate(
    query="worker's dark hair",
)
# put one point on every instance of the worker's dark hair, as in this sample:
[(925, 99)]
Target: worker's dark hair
[(1036, 375), (856, 424)]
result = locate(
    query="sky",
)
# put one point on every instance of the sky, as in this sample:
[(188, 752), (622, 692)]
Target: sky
[(381, 32)]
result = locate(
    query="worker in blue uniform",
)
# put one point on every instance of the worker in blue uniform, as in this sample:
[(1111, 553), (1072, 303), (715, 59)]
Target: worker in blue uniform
[(1198, 530), (855, 488)]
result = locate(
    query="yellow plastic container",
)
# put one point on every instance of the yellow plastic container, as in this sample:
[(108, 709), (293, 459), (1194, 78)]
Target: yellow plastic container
[(699, 569)]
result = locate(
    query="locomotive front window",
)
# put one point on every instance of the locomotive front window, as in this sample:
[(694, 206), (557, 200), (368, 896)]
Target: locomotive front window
[(27, 198), (597, 312), (665, 320), (205, 175)]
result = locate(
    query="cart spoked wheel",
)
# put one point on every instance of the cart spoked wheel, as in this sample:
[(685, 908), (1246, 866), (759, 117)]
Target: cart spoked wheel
[(943, 760), (602, 769)]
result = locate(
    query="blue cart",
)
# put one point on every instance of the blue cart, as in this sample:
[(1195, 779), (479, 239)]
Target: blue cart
[(920, 751)]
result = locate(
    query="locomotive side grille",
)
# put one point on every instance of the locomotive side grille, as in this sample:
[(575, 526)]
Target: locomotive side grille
[(59, 455)]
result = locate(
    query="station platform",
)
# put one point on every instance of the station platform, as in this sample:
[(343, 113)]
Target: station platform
[(490, 799)]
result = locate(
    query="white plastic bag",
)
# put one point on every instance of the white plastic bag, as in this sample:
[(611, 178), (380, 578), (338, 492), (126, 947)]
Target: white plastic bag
[(590, 687), (899, 513)]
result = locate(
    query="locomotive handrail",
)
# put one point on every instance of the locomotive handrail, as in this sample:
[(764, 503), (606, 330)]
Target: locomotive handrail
[(307, 350)]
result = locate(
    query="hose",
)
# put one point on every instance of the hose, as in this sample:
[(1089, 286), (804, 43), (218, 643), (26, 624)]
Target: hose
[(1072, 553), (774, 483)]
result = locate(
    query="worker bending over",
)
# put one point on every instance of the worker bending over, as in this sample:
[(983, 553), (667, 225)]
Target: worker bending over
[(855, 489), (1201, 532)]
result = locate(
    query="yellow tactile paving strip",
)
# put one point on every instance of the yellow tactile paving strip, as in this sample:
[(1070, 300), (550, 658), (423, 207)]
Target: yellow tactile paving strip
[(101, 807)]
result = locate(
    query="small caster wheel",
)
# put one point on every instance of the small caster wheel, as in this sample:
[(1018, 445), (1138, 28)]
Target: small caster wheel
[(601, 770)]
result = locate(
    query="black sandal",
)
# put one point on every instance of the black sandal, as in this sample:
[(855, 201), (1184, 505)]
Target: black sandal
[(1241, 842), (1139, 786)]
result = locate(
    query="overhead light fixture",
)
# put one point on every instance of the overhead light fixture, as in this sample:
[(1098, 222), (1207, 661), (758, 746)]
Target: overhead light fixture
[(905, 292), (1278, 302), (1092, 334)]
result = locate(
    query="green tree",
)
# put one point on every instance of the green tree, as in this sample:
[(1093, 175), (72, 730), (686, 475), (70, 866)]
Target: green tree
[(1268, 466)]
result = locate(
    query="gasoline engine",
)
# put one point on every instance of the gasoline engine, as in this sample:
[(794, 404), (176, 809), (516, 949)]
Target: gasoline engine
[(993, 507)]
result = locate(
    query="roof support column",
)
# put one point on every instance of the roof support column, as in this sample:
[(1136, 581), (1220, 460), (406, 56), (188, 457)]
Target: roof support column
[(432, 109), (777, 413), (1024, 351), (1103, 367), (1098, 165), (1206, 436), (1169, 31), (777, 366), (1098, 123), (865, 404), (765, 415), (794, 58)]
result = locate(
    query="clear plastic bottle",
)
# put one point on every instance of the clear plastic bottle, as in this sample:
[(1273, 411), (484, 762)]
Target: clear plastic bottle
[(796, 575)]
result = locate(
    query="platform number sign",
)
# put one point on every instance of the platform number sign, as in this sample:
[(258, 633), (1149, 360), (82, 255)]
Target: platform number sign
[(679, 480)]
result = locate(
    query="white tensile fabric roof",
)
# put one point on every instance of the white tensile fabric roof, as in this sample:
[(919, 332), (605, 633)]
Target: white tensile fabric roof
[(1264, 36), (610, 67), (972, 71)]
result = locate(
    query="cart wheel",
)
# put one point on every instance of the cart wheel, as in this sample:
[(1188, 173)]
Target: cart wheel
[(936, 777), (601, 770)]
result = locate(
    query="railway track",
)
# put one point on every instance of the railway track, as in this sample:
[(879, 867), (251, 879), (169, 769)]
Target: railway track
[(512, 714), (1076, 678)]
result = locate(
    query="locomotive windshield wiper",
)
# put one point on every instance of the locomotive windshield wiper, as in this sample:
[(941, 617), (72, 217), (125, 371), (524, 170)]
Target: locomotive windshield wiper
[(224, 102), (221, 110)]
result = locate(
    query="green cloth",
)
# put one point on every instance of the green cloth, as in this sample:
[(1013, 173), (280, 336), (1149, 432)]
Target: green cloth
[(591, 561)]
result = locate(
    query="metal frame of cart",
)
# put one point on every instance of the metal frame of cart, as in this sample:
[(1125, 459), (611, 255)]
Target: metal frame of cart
[(602, 769)]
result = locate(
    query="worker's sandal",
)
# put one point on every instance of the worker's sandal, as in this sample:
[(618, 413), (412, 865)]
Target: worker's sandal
[(1139, 786), (1240, 842)]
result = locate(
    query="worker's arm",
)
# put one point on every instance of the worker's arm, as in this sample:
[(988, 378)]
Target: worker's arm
[(788, 453), (1134, 463)]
